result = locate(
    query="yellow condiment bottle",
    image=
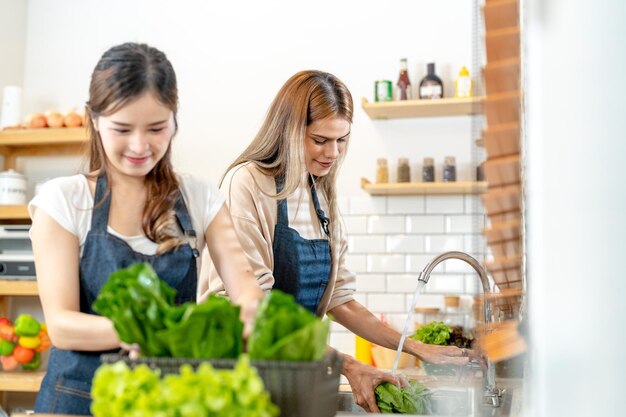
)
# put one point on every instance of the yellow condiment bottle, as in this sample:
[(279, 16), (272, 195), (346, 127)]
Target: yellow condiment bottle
[(363, 350), (463, 84)]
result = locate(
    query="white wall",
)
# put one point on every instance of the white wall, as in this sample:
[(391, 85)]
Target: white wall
[(576, 204), (231, 57), (12, 43)]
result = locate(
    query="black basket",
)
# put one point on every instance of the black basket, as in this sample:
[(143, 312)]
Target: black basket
[(300, 389)]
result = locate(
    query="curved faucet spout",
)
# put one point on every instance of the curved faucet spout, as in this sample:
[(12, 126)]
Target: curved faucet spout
[(482, 274), (492, 394)]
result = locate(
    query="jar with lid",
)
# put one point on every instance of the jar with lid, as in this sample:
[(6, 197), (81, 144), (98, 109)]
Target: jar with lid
[(428, 170), (404, 170), (382, 171), (449, 169), (12, 188)]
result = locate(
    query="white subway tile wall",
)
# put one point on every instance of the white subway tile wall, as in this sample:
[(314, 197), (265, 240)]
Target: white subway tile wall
[(390, 241)]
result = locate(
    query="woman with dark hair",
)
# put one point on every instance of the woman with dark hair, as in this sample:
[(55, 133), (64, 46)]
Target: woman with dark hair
[(281, 192), (130, 207)]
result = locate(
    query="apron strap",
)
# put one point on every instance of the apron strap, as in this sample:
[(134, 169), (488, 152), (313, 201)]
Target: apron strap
[(282, 215), (101, 205), (318, 209), (184, 221)]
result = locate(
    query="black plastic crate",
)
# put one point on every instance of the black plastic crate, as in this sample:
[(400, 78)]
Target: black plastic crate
[(300, 389)]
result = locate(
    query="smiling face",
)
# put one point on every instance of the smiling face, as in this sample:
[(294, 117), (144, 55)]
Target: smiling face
[(136, 136), (325, 141)]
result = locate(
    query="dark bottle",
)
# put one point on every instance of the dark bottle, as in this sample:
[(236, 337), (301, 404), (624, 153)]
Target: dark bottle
[(404, 84), (431, 86), (428, 170), (449, 169)]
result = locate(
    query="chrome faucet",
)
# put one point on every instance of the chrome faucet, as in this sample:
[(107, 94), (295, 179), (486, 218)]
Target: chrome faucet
[(492, 395)]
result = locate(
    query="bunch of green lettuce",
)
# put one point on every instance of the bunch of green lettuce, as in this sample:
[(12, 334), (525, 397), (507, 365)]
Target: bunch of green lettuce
[(412, 399), (119, 391), (434, 333), (141, 307), (284, 330)]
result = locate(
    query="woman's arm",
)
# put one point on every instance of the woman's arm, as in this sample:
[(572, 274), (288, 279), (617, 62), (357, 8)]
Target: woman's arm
[(57, 255), (232, 265), (356, 318)]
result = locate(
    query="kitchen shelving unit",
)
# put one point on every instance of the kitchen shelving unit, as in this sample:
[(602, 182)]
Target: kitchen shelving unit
[(16, 143), (424, 188), (423, 108)]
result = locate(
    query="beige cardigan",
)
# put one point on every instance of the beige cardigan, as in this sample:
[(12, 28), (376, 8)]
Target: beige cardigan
[(254, 216)]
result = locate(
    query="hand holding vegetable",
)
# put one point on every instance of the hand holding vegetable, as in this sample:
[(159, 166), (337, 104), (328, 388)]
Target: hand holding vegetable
[(363, 379), (22, 343)]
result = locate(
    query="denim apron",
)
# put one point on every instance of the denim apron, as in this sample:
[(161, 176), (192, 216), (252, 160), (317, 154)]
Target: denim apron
[(301, 266), (66, 387)]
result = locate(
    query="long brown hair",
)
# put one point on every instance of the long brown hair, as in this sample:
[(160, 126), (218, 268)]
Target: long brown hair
[(278, 148), (122, 74)]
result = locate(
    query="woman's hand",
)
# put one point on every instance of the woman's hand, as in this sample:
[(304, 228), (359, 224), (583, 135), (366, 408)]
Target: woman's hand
[(364, 379), (442, 355), (249, 303)]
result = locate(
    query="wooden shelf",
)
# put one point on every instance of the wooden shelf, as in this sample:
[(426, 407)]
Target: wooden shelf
[(501, 14), (14, 213), (15, 138), (424, 188), (423, 108), (41, 142), (18, 287), (21, 381)]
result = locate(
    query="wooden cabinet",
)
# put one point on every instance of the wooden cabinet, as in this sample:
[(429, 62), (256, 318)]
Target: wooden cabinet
[(15, 144)]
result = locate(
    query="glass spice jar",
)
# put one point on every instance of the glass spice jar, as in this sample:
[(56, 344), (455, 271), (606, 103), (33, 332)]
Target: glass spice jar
[(449, 169), (428, 170), (382, 172), (404, 170)]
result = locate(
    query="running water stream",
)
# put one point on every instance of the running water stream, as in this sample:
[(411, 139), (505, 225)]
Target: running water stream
[(407, 325)]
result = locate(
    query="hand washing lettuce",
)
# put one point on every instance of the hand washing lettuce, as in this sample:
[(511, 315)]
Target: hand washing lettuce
[(284, 330), (413, 399), (119, 391), (141, 307), (434, 333)]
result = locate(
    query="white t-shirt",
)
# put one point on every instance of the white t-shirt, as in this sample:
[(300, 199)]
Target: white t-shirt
[(69, 202)]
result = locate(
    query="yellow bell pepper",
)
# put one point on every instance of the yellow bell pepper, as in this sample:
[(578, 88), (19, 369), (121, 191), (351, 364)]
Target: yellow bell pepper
[(29, 342)]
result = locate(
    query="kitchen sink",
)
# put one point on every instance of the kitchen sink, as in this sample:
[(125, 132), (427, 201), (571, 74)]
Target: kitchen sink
[(446, 401)]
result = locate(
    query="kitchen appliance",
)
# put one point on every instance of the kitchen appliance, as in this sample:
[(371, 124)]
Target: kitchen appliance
[(16, 253)]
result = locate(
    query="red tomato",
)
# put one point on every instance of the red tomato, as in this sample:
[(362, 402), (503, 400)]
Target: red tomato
[(7, 332), (22, 354)]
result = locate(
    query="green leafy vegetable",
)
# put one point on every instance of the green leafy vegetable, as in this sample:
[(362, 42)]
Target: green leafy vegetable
[(208, 330), (434, 333), (141, 307), (284, 330), (119, 391), (413, 399)]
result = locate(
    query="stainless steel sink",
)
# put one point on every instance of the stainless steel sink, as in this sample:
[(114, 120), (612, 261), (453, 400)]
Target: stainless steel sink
[(446, 401)]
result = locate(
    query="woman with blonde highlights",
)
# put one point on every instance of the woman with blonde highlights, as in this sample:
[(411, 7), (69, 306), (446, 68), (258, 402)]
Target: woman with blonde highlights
[(131, 207), (281, 194)]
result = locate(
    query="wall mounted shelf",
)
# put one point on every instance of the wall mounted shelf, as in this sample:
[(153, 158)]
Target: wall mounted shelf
[(21, 381), (18, 287), (424, 188), (423, 108), (41, 142), (14, 213)]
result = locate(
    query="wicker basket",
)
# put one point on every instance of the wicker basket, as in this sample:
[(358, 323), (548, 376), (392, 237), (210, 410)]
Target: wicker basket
[(300, 389)]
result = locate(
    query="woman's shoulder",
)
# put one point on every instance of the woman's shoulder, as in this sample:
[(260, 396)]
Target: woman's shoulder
[(73, 186), (247, 176)]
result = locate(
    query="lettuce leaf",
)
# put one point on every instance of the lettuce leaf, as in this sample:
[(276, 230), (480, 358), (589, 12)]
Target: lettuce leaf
[(413, 399)]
